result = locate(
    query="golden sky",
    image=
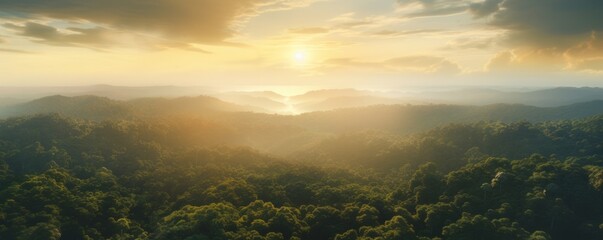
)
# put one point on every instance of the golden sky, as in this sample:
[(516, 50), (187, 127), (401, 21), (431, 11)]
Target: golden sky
[(330, 43)]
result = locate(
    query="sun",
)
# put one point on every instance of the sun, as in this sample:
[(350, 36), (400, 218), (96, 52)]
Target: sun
[(300, 56)]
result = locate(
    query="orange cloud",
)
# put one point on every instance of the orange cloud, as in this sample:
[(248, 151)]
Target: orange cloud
[(585, 56)]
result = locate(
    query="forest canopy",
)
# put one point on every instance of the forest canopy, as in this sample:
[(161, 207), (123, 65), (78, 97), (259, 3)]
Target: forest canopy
[(67, 178)]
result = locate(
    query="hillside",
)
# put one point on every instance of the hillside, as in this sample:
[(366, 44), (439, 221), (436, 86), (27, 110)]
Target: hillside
[(85, 107), (339, 102), (404, 119), (331, 99), (202, 118), (71, 179), (553, 97), (102, 108), (187, 106), (320, 100)]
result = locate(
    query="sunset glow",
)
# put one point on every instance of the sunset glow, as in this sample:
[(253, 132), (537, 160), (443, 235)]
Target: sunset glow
[(376, 44), (299, 56)]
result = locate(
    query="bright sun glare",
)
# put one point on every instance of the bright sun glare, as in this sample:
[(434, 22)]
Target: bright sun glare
[(299, 56)]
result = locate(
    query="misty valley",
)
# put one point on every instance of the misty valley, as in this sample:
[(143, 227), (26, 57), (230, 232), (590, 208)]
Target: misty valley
[(347, 164)]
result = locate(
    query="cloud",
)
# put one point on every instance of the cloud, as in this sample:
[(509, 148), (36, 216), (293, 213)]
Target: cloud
[(485, 8), (528, 60), (427, 64), (585, 56), (538, 23), (595, 65), (187, 21), (349, 62), (431, 12), (8, 50), (353, 24), (413, 64), (432, 8), (281, 5), (309, 30), (51, 35), (501, 61), (393, 33), (351, 20), (469, 43), (592, 48), (545, 35)]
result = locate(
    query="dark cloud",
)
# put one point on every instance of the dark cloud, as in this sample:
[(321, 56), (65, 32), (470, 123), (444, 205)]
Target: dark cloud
[(194, 21), (430, 8), (585, 56), (51, 35), (548, 23), (485, 8)]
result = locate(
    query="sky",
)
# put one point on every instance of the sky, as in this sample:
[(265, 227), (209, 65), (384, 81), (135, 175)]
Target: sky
[(381, 44)]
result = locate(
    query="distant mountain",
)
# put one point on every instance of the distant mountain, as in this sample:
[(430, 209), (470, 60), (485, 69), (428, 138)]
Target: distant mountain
[(405, 119), (395, 119), (102, 108), (542, 98), (266, 100), (318, 100), (261, 94), (188, 106), (113, 92), (283, 134), (345, 102), (86, 107), (330, 99), (325, 94), (563, 96), (127, 93)]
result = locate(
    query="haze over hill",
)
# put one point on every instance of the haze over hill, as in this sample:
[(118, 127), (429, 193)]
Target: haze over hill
[(202, 158), (319, 100), (103, 108), (250, 125), (149, 156)]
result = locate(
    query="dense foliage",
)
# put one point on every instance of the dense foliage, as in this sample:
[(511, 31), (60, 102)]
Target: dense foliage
[(63, 178)]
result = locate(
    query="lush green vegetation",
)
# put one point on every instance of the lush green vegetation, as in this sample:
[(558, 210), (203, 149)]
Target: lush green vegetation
[(63, 178)]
